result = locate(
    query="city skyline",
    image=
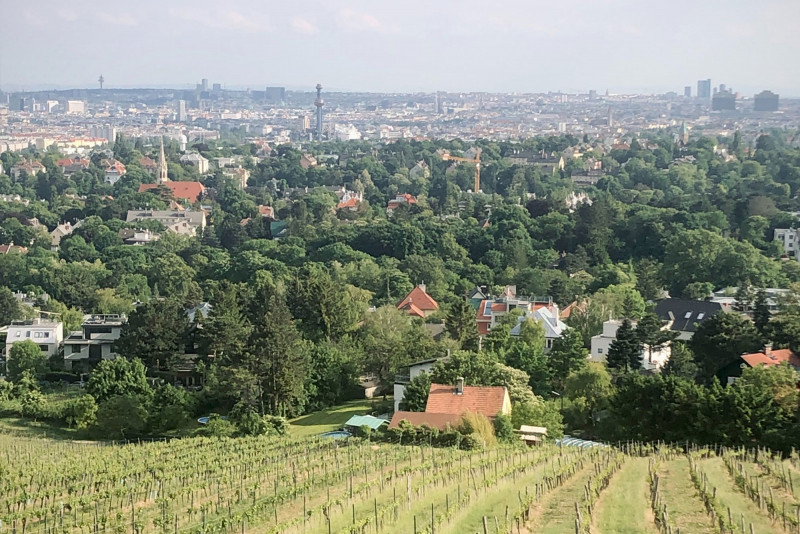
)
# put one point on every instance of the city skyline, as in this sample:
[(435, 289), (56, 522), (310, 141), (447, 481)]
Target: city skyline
[(526, 47)]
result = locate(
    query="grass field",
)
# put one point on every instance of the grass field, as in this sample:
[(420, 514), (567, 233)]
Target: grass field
[(295, 485), (326, 420)]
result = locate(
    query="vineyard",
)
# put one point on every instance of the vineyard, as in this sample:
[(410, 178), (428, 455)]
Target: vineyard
[(263, 485)]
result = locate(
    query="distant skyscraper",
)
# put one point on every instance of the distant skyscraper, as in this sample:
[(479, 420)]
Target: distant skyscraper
[(610, 118), (319, 103), (439, 103), (723, 100), (592, 94), (275, 95), (765, 101), (204, 84), (216, 88), (22, 104), (687, 91), (181, 111), (305, 123), (704, 89)]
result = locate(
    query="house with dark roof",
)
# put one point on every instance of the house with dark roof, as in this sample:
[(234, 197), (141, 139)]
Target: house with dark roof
[(684, 316), (418, 303), (447, 404)]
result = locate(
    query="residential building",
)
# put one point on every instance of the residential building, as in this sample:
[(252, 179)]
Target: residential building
[(350, 200), (307, 161), (94, 342), (765, 101), (76, 106), (190, 191), (49, 335), (138, 237), (492, 309), (239, 175), (404, 378), (400, 200), (189, 223), (418, 303), (148, 164), (24, 167), (266, 211), (447, 404), (768, 357), (196, 160), (70, 166), (548, 163), (653, 359), (114, 172), (684, 316), (420, 170), (549, 318), (180, 111), (11, 248), (61, 231)]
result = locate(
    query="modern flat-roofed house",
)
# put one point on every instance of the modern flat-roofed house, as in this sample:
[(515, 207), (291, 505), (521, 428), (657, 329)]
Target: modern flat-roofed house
[(403, 379), (94, 341), (49, 335)]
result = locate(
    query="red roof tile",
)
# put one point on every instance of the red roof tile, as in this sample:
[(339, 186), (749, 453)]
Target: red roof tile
[(421, 300), (433, 420), (186, 190), (412, 310), (486, 400), (776, 357)]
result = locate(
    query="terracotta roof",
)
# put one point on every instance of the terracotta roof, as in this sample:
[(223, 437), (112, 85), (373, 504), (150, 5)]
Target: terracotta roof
[(266, 211), (420, 299), (776, 357), (412, 310), (487, 400), (5, 249), (433, 420), (349, 203), (566, 312), (186, 190)]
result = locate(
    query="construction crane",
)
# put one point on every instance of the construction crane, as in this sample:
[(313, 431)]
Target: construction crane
[(476, 162)]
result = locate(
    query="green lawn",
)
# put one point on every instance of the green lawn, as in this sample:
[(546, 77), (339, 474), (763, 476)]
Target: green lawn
[(35, 429), (330, 419)]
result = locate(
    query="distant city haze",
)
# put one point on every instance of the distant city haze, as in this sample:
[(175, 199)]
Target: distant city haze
[(625, 46)]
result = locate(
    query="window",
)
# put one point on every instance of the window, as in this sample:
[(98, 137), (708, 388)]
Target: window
[(28, 333), (19, 334), (44, 348), (599, 350), (700, 316), (549, 343), (688, 315)]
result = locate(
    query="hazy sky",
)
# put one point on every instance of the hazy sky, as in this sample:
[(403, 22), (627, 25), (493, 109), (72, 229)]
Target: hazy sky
[(404, 45)]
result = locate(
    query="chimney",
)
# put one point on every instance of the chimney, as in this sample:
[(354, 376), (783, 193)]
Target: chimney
[(460, 385), (768, 350), (423, 287)]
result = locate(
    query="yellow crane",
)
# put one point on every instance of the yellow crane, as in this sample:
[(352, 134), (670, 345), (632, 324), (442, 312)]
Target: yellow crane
[(476, 162)]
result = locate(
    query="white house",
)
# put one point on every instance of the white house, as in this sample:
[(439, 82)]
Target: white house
[(402, 380), (49, 335), (114, 172), (549, 318), (94, 342), (790, 239), (652, 360), (196, 160)]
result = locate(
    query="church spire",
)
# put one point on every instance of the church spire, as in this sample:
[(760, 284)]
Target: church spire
[(162, 166)]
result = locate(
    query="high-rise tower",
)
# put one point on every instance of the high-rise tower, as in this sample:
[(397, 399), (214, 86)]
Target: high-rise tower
[(162, 166), (101, 80), (319, 103)]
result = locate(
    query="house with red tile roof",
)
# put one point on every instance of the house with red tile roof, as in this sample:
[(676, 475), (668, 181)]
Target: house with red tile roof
[(191, 191), (399, 200), (447, 404), (491, 309), (770, 357), (114, 172), (11, 248), (418, 303)]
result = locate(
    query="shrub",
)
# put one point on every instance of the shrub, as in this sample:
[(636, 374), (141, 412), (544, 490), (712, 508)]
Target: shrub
[(503, 429), (279, 424), (6, 390), (81, 412), (121, 417), (25, 356), (217, 427), (479, 425), (471, 442), (33, 404)]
